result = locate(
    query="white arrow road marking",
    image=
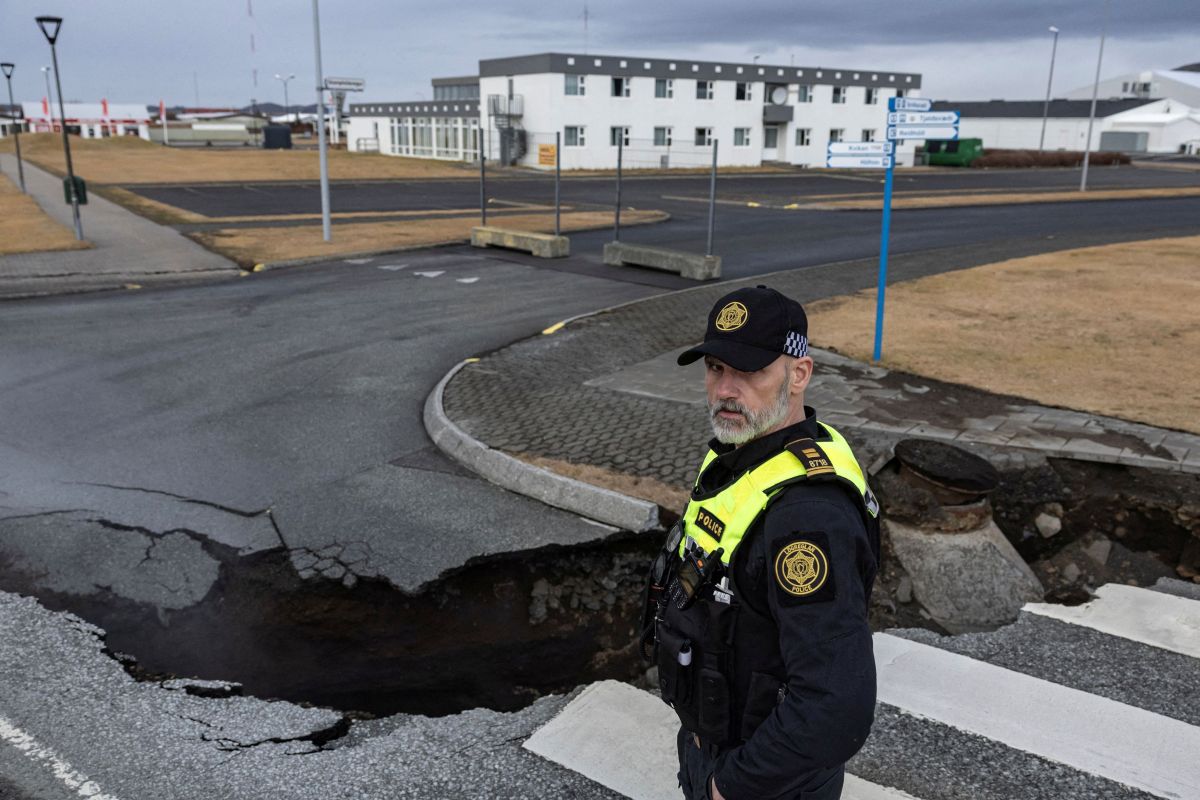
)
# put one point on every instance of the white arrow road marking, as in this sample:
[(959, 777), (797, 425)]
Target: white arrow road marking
[(430, 274), (466, 280), (393, 267), (72, 778)]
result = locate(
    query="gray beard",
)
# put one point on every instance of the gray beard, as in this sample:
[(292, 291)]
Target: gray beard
[(753, 424)]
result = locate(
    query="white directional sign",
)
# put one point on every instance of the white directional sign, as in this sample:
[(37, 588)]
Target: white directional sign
[(861, 148), (909, 104), (923, 118), (858, 162), (345, 84), (922, 132)]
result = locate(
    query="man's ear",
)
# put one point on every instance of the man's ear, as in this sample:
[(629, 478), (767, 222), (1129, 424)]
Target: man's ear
[(801, 371)]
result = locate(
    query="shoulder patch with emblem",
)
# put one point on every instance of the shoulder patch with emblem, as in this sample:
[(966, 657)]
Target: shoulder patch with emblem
[(801, 569)]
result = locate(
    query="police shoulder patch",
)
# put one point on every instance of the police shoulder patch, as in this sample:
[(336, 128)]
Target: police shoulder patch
[(802, 570)]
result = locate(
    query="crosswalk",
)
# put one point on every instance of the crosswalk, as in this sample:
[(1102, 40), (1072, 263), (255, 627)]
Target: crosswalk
[(1093, 701)]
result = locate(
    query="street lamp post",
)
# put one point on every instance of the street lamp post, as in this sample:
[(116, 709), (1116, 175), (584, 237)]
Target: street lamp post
[(325, 225), (1049, 81), (287, 107), (1087, 150), (50, 27), (8, 71)]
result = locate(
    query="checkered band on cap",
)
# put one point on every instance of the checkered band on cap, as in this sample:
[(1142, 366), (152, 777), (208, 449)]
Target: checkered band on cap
[(796, 345)]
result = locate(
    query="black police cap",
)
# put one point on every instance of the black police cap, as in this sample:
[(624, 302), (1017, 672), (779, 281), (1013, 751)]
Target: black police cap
[(749, 328)]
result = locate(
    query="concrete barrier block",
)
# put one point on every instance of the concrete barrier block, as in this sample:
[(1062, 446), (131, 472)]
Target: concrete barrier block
[(688, 265), (541, 245)]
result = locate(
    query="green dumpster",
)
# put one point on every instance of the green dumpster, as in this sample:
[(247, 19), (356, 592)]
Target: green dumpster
[(953, 152), (80, 190)]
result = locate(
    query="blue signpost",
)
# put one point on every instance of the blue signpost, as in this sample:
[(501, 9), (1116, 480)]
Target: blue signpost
[(908, 118)]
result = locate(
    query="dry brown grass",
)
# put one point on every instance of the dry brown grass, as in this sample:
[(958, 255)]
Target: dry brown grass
[(990, 198), (26, 228), (250, 246), (1113, 330), (129, 160), (672, 498)]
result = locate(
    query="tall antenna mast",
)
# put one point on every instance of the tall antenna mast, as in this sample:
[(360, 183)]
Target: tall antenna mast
[(585, 29)]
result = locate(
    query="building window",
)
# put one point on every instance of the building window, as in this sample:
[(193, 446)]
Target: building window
[(703, 137), (839, 95), (618, 135), (899, 93), (662, 137), (573, 136), (741, 137), (664, 87), (575, 85), (803, 137), (704, 90), (804, 94), (836, 134), (868, 135), (743, 91), (620, 87), (872, 96)]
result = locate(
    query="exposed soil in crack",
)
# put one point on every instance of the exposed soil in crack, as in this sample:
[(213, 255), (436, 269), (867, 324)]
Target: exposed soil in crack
[(503, 630)]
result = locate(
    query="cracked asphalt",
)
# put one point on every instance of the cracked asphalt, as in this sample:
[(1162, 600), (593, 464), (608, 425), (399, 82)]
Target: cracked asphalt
[(143, 433)]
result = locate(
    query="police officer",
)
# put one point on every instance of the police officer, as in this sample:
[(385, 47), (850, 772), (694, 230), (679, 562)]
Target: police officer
[(757, 606)]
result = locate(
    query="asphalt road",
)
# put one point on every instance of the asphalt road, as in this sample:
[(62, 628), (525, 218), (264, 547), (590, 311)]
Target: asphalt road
[(643, 192)]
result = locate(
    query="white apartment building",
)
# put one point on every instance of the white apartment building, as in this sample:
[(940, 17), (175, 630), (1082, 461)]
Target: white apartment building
[(663, 112)]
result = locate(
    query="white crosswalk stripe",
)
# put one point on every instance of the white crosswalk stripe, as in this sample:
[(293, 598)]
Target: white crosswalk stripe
[(624, 738), (1153, 618)]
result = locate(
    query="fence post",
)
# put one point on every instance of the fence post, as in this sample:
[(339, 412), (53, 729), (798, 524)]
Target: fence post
[(617, 216), (712, 200), (557, 179), (483, 178)]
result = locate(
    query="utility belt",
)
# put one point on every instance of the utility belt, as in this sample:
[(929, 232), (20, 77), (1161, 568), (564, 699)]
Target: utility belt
[(689, 624)]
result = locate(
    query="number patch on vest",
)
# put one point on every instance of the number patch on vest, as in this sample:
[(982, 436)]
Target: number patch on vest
[(711, 523), (802, 569)]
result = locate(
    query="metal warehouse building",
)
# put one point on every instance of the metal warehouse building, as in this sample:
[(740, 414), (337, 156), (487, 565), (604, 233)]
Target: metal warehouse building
[(664, 112)]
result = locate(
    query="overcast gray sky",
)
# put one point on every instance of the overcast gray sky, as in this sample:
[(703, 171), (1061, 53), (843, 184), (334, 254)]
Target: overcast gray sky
[(141, 51)]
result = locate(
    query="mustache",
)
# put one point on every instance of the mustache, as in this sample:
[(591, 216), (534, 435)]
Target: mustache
[(728, 405)]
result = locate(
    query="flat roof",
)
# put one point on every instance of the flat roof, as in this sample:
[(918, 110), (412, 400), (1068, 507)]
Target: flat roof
[(1034, 108), (466, 80), (633, 66)]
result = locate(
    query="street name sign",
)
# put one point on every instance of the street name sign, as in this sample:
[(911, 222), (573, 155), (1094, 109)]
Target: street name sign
[(922, 132), (923, 118), (345, 84), (860, 148), (859, 162), (909, 104)]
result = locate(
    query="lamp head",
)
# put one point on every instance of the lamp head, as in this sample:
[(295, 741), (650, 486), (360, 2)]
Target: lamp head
[(50, 27), (1053, 29), (8, 69)]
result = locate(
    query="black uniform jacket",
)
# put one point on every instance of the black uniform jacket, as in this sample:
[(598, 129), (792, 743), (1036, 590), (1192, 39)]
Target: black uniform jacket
[(824, 639)]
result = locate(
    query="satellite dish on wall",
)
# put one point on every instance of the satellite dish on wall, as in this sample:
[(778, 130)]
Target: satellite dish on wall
[(779, 95)]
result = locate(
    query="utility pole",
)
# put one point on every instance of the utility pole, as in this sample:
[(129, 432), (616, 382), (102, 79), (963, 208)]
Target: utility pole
[(321, 145), (1087, 151), (1049, 81)]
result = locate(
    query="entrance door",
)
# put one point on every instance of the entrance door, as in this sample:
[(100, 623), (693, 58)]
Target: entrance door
[(770, 143)]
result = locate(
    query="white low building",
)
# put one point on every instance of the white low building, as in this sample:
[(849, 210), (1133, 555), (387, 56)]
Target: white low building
[(1181, 83), (657, 112), (1127, 125), (89, 120)]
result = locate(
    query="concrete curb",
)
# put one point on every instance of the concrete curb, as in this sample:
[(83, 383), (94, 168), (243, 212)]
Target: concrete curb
[(593, 502), (267, 266)]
